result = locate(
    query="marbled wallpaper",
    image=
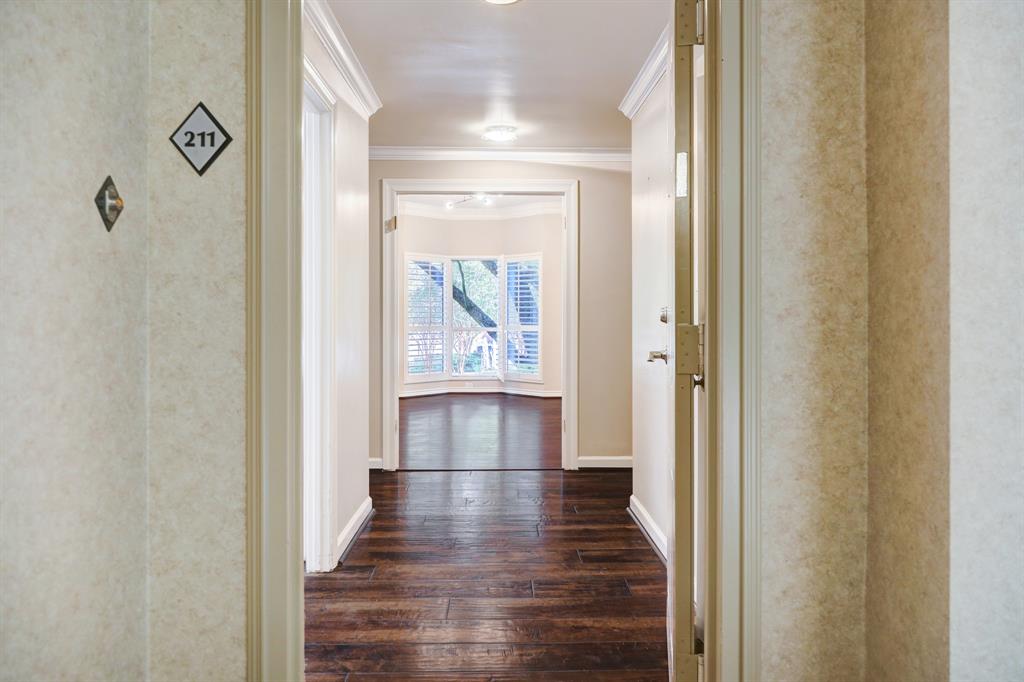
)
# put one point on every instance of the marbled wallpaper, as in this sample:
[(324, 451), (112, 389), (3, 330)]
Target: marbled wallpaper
[(986, 335), (197, 350), (814, 333), (908, 236), (72, 342)]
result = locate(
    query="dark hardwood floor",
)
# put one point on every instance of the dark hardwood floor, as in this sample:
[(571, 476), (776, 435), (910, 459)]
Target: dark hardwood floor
[(492, 575), (481, 431)]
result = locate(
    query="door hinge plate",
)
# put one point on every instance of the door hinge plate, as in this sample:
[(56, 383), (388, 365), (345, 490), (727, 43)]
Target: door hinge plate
[(690, 349), (689, 22), (391, 225)]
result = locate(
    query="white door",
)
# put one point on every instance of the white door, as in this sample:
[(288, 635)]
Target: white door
[(653, 260)]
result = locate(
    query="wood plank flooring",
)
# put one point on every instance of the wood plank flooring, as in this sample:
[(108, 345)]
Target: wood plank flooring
[(492, 575), (479, 431)]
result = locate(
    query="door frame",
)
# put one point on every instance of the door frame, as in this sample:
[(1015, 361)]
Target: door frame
[(274, 595), (319, 522), (391, 286)]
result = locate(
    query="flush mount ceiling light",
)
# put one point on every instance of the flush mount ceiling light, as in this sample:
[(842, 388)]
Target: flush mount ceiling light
[(500, 134), (500, 2)]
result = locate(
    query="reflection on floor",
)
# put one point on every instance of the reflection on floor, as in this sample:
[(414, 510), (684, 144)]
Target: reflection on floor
[(492, 575), (481, 431)]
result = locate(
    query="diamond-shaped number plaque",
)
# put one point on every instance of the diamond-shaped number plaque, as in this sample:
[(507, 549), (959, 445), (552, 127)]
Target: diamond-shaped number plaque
[(200, 138)]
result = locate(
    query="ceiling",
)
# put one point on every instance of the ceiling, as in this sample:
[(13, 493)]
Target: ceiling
[(482, 207), (447, 69)]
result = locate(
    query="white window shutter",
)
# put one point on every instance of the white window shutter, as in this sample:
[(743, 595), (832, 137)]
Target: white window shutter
[(523, 316), (425, 317)]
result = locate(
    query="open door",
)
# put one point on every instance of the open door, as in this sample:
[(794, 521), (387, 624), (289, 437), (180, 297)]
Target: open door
[(689, 552)]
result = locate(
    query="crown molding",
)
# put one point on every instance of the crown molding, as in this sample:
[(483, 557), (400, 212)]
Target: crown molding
[(327, 29), (651, 72), (608, 159), (422, 210)]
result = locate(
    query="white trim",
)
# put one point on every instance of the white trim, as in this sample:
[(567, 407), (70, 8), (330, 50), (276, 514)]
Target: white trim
[(609, 462), (421, 210), (749, 485), (351, 529), (376, 462), (319, 522), (507, 390), (315, 80), (391, 286), (327, 29), (650, 74), (589, 157), (646, 522)]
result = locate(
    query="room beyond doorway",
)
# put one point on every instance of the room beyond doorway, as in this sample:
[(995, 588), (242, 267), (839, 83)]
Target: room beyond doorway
[(480, 297), (489, 431)]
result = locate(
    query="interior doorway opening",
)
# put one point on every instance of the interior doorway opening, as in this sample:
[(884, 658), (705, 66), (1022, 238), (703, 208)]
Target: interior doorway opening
[(480, 361), (481, 341)]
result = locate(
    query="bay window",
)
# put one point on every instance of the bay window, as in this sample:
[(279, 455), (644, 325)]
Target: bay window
[(472, 318)]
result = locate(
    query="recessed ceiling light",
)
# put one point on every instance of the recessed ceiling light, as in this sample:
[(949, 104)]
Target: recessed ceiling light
[(500, 134), (501, 2), (449, 205)]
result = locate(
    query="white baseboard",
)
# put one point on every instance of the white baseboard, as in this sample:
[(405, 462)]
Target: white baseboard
[(351, 529), (616, 462), (649, 527), (376, 462), (509, 390)]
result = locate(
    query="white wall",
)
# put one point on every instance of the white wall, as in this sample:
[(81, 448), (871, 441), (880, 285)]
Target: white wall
[(604, 284), (653, 257), (349, 377), (537, 234)]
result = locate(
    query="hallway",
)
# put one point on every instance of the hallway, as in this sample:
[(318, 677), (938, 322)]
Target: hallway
[(481, 575)]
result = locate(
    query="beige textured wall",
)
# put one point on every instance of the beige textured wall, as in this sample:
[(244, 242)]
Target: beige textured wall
[(72, 342), (605, 371), (986, 335), (197, 350), (908, 234), (536, 234), (814, 327)]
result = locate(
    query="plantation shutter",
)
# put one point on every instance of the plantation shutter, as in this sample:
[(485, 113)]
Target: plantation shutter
[(522, 312), (425, 317)]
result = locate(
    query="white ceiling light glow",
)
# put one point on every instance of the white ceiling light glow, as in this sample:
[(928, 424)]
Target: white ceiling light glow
[(500, 134), (501, 2)]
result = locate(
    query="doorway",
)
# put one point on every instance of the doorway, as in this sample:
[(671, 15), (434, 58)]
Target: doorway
[(405, 497), (481, 343), (480, 324)]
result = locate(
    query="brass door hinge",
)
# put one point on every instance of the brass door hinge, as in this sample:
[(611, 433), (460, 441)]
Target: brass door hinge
[(690, 349), (689, 22), (391, 225)]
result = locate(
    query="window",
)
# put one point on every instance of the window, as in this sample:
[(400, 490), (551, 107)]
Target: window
[(473, 318), (476, 309), (522, 317), (425, 317)]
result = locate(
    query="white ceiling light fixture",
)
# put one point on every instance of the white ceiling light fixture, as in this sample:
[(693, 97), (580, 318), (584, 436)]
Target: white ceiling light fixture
[(500, 134), (501, 2)]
